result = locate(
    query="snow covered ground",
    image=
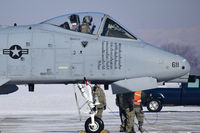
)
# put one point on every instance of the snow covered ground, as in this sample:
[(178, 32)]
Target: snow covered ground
[(52, 109), (170, 120)]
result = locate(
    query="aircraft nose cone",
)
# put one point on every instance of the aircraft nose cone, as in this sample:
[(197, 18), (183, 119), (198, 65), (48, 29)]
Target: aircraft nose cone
[(185, 66)]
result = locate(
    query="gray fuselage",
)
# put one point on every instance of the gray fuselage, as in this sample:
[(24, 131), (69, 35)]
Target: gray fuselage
[(50, 54)]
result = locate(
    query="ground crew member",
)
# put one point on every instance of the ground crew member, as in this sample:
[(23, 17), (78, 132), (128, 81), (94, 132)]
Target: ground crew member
[(99, 93), (125, 104), (122, 113), (137, 108)]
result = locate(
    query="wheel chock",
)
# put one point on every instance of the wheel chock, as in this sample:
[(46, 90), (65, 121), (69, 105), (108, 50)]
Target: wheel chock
[(105, 131)]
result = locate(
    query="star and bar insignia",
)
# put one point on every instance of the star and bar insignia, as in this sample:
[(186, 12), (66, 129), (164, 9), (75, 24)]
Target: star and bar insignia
[(15, 51)]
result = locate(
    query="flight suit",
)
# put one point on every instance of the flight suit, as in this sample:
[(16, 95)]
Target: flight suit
[(85, 28), (125, 104), (97, 91), (137, 108)]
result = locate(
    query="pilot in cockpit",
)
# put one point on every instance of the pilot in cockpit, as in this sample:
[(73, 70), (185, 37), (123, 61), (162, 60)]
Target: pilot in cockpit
[(74, 22), (85, 27)]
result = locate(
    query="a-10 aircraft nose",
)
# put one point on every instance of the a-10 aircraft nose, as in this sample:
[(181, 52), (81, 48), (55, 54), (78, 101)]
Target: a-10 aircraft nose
[(185, 66), (182, 66)]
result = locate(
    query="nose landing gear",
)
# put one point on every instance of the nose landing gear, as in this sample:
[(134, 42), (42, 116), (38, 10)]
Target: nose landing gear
[(97, 127), (93, 124)]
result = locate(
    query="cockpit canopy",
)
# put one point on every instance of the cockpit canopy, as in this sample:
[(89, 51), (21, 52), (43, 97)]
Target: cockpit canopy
[(91, 23)]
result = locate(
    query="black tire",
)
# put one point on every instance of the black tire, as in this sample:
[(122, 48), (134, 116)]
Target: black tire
[(99, 125), (154, 105)]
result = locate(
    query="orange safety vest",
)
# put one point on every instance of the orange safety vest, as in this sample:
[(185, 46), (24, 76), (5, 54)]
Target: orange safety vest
[(137, 97)]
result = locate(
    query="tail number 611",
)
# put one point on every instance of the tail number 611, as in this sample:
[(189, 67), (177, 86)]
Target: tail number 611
[(175, 64)]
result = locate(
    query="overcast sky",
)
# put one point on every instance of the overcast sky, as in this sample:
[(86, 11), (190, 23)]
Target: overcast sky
[(135, 14)]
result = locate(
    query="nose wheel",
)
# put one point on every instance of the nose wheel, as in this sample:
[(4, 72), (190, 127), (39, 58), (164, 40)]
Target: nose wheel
[(97, 127)]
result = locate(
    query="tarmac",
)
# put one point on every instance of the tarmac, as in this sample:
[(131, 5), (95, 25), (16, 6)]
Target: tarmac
[(169, 120)]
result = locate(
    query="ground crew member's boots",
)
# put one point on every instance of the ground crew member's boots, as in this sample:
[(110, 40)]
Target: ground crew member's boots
[(140, 127), (122, 129)]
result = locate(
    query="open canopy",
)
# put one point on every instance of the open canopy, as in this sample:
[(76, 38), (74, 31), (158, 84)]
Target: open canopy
[(91, 23)]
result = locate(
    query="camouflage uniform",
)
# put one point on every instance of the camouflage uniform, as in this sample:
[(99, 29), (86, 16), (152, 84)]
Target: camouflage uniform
[(122, 112), (85, 28), (97, 91), (125, 104), (137, 109)]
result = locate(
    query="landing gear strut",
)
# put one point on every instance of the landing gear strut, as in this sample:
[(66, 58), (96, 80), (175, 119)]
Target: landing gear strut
[(93, 124)]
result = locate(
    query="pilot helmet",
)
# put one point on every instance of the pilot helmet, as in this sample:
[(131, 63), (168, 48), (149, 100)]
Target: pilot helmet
[(87, 19), (75, 19), (74, 22)]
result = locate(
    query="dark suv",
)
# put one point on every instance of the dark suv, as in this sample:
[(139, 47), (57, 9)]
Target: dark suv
[(184, 94)]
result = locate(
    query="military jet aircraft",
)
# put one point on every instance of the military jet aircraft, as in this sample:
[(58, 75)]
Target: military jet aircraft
[(90, 46)]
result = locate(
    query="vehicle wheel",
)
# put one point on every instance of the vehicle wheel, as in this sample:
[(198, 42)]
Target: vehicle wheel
[(154, 105), (97, 128)]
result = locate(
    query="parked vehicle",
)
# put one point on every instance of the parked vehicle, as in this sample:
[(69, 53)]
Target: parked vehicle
[(181, 94)]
